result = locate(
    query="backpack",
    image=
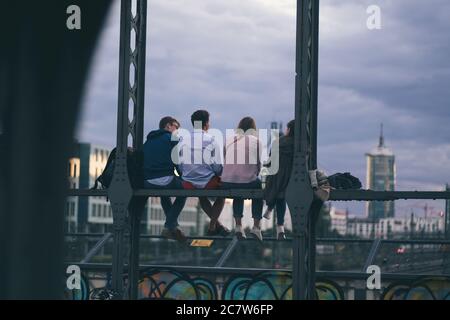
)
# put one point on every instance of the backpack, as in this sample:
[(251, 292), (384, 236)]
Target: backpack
[(134, 166)]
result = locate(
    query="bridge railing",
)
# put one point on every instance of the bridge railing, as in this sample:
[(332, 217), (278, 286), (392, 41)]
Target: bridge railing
[(345, 255), (220, 283)]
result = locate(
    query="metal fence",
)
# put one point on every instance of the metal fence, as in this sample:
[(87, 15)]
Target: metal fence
[(220, 274)]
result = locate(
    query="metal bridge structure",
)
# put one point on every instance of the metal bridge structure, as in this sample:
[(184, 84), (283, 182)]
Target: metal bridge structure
[(299, 194)]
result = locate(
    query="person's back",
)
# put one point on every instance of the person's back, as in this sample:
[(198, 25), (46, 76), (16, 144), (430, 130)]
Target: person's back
[(159, 173), (276, 184), (193, 166), (241, 171), (242, 159), (157, 155), (201, 166)]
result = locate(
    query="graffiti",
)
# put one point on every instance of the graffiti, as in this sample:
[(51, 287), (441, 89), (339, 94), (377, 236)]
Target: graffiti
[(274, 286), (173, 285), (328, 290), (168, 284), (432, 288)]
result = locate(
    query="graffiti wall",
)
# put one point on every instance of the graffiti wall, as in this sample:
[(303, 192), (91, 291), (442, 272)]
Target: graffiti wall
[(434, 288), (173, 285)]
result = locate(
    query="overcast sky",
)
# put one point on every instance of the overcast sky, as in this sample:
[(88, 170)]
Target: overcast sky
[(236, 58)]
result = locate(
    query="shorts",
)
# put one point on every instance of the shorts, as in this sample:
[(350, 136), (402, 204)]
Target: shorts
[(214, 183)]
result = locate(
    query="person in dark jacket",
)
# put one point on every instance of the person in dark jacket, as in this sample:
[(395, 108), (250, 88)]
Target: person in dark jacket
[(277, 184), (159, 173)]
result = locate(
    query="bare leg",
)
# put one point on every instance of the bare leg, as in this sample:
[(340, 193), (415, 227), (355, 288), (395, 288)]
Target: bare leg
[(209, 210), (218, 207)]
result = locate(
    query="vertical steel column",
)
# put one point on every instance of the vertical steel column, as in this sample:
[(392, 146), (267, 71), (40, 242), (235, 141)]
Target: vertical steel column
[(312, 125), (137, 92), (130, 95), (447, 215), (299, 194)]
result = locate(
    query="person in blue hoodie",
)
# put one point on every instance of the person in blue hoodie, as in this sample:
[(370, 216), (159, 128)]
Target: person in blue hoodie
[(159, 173)]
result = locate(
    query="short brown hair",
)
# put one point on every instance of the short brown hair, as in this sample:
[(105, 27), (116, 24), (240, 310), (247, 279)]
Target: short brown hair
[(247, 123), (167, 120)]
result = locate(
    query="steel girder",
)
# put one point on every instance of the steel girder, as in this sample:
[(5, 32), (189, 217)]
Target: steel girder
[(133, 25)]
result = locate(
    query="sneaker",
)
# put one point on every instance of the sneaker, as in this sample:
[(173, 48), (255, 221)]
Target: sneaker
[(239, 233), (256, 233), (175, 234), (268, 214), (281, 235), (222, 230), (179, 236)]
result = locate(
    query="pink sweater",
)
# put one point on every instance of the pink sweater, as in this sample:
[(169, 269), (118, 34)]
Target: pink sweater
[(242, 159)]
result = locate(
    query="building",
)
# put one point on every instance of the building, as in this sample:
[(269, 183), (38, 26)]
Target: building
[(391, 228), (192, 220), (338, 221), (360, 228), (380, 177), (71, 216), (94, 213)]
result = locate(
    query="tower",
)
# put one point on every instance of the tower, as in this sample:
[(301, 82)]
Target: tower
[(380, 177)]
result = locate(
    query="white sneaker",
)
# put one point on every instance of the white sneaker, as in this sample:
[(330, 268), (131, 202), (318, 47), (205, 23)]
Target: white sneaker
[(281, 235), (256, 233), (240, 234), (268, 214)]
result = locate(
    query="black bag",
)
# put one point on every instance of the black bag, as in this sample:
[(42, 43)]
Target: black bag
[(344, 181), (134, 165)]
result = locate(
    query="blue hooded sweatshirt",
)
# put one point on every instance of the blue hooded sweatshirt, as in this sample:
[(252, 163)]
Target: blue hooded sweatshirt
[(157, 155)]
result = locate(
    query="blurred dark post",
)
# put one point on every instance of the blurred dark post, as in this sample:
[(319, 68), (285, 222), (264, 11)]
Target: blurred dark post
[(43, 69), (447, 215)]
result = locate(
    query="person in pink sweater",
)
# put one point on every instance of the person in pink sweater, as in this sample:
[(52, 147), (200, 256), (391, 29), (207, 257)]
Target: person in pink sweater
[(241, 170)]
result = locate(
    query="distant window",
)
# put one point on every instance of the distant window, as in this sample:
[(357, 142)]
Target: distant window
[(94, 208), (72, 209), (74, 170)]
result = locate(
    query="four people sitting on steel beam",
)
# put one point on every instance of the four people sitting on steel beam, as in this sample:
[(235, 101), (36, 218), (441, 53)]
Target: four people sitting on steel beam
[(194, 160)]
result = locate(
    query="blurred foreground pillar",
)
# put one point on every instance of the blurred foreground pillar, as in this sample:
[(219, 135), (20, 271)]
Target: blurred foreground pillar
[(43, 69)]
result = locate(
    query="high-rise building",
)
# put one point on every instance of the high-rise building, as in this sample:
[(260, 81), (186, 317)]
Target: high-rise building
[(94, 213), (380, 177), (71, 216)]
